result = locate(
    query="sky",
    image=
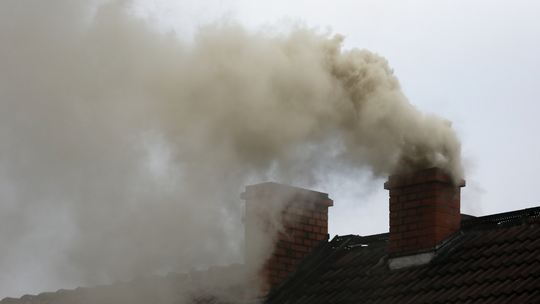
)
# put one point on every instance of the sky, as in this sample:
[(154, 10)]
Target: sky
[(474, 63)]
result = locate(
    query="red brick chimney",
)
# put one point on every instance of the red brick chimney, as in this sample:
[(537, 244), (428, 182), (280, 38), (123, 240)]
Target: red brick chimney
[(424, 210), (294, 219)]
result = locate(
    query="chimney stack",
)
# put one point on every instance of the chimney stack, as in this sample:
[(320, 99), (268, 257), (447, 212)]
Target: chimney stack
[(293, 220), (424, 210)]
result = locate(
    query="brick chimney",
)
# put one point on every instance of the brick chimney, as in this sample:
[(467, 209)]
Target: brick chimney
[(294, 220), (424, 210)]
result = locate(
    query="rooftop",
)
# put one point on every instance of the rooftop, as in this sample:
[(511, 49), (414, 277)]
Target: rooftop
[(492, 259)]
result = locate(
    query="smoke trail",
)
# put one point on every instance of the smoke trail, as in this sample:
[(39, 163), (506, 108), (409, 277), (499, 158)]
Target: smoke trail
[(133, 146)]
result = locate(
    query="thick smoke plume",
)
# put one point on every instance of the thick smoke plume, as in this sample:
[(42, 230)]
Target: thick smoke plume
[(132, 146)]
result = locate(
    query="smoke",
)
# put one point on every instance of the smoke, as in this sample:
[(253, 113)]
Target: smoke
[(133, 146)]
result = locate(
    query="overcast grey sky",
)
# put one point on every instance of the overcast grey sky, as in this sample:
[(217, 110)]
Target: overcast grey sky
[(475, 63)]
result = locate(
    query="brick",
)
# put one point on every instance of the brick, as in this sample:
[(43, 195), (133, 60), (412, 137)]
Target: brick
[(307, 242), (432, 216), (412, 219), (316, 215), (402, 198), (272, 279), (283, 274), (322, 224), (413, 204), (411, 234), (274, 265), (444, 224), (452, 219), (425, 224), (434, 231), (395, 192), (303, 220), (324, 216), (444, 209), (432, 201), (427, 209), (452, 204), (283, 244), (266, 272), (299, 248), (322, 208), (321, 237), (412, 189), (300, 233), (448, 194), (420, 179), (280, 251), (396, 207), (285, 260), (324, 231), (395, 236), (308, 228)]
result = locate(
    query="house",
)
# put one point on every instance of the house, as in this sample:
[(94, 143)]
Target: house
[(432, 254)]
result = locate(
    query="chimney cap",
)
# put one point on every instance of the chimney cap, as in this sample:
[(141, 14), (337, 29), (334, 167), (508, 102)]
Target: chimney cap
[(269, 189), (433, 174)]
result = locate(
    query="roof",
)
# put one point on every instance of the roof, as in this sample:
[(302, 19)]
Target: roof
[(492, 259), (201, 287)]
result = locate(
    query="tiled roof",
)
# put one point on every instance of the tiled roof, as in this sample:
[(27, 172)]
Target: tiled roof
[(201, 287), (493, 259)]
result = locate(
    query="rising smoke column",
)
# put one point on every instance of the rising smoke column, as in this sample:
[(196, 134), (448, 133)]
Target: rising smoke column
[(124, 149)]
